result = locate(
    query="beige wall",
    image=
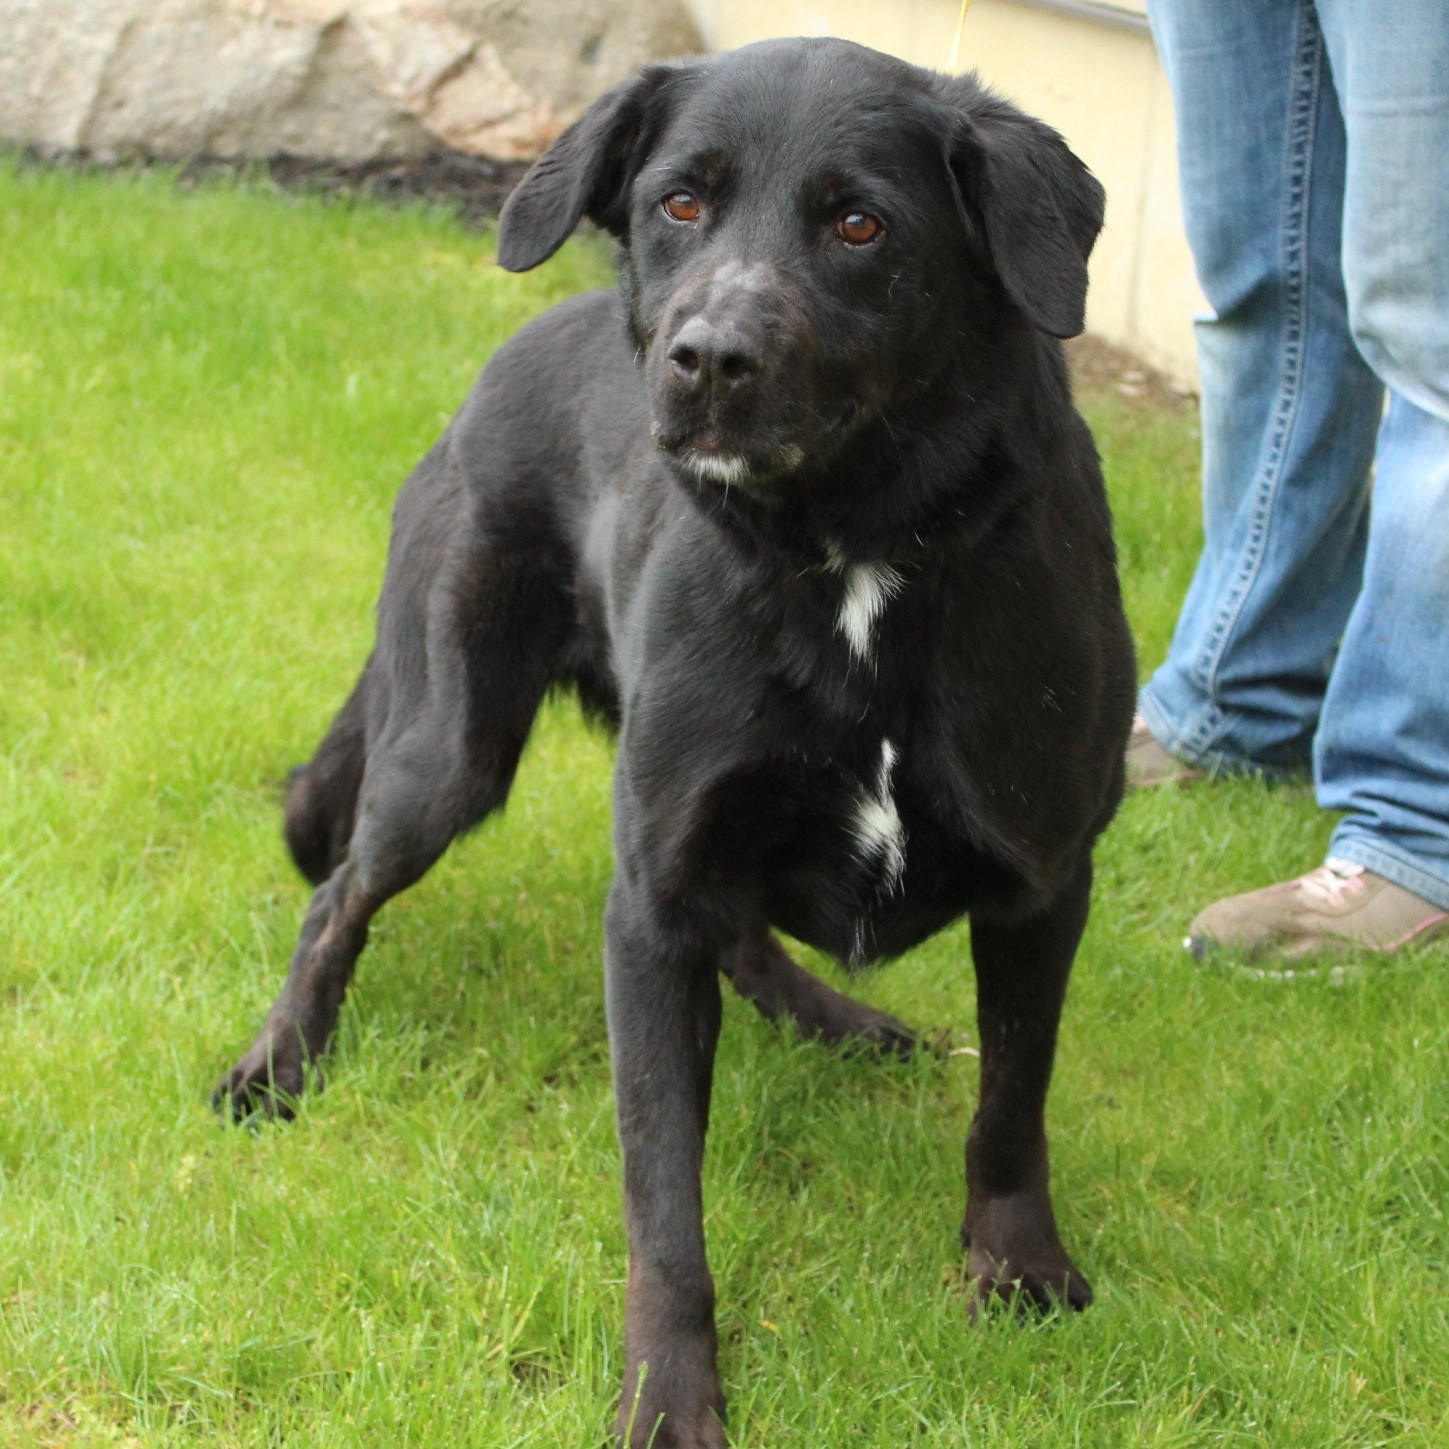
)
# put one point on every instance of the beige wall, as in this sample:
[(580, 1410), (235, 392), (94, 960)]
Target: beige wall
[(1100, 84)]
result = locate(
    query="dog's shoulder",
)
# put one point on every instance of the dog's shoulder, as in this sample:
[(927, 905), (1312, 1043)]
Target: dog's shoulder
[(558, 406), (560, 355)]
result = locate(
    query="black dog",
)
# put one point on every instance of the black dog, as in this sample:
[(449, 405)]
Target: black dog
[(808, 513)]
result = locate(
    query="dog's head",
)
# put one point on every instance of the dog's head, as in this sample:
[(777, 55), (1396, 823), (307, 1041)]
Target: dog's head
[(813, 232)]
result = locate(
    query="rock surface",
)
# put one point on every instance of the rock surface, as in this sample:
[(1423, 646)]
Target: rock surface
[(349, 80)]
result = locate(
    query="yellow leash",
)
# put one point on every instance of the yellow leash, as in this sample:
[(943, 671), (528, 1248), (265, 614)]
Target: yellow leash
[(954, 64)]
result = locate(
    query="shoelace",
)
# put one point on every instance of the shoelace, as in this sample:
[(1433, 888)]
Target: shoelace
[(1332, 880)]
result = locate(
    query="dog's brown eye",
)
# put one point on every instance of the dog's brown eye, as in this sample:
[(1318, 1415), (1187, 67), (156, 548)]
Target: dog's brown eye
[(681, 206), (859, 228)]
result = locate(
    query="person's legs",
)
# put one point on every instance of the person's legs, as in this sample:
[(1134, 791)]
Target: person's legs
[(1382, 750), (1289, 407)]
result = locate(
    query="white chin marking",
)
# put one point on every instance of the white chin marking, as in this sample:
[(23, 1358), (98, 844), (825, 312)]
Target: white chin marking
[(869, 587), (718, 468), (879, 835)]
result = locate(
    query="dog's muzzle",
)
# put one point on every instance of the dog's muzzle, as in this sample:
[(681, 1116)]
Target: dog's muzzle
[(726, 391)]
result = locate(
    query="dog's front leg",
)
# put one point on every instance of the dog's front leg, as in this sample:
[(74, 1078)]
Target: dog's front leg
[(1021, 981), (664, 1015)]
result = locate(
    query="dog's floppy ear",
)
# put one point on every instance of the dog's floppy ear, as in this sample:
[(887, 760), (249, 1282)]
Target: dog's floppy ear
[(1040, 207), (586, 172)]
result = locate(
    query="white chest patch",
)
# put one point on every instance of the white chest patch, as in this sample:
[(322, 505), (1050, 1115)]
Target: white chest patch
[(880, 837), (869, 587)]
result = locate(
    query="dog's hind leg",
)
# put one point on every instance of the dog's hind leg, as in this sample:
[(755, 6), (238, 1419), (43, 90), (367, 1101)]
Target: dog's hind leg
[(321, 805), (461, 706), (1021, 981), (760, 969), (420, 792)]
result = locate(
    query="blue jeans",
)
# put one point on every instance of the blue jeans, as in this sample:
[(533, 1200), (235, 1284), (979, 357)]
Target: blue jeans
[(1313, 143)]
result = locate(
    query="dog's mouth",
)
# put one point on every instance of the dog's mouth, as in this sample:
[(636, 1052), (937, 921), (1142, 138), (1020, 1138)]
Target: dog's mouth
[(710, 454)]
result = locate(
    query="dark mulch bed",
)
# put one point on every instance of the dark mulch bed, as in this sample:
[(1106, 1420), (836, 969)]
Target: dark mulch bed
[(473, 186)]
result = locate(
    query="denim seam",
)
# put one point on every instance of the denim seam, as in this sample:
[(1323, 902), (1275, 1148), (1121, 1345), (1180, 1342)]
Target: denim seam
[(1302, 123), (1211, 759), (1392, 863)]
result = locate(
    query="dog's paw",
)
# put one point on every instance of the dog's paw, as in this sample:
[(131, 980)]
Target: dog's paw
[(671, 1433), (674, 1430), (265, 1084), (1026, 1286), (857, 1030), (1017, 1258), (862, 1028), (677, 1410)]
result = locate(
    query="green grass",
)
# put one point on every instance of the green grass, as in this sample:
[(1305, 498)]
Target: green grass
[(207, 402)]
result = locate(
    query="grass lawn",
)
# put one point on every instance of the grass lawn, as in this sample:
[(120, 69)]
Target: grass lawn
[(207, 402)]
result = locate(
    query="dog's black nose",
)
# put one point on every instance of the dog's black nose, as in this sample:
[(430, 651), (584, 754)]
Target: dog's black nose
[(706, 356)]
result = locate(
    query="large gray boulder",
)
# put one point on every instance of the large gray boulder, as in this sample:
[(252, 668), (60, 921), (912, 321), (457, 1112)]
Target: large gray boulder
[(348, 80)]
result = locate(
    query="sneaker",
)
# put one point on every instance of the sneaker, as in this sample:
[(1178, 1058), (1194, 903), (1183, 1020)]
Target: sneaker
[(1341, 905), (1150, 763)]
